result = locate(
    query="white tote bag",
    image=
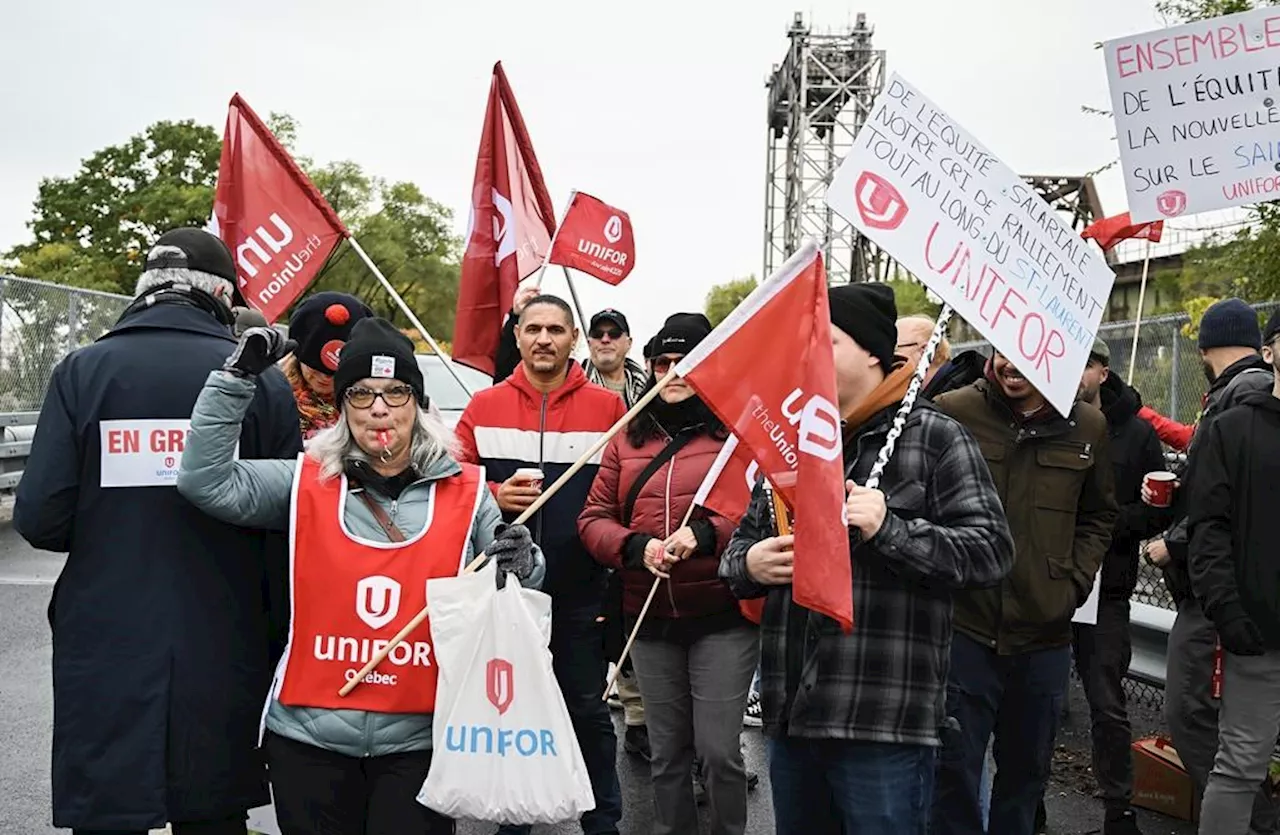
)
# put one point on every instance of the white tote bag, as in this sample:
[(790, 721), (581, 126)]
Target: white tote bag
[(504, 749)]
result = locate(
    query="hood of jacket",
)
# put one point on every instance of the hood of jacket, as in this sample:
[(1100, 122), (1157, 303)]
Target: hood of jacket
[(961, 370), (1235, 369), (1120, 401), (574, 379)]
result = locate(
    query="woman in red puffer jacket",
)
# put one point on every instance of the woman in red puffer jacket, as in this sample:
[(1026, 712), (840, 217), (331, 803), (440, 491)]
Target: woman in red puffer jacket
[(695, 653)]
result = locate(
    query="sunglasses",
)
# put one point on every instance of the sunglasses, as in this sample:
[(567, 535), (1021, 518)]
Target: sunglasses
[(362, 398), (661, 365), (601, 333)]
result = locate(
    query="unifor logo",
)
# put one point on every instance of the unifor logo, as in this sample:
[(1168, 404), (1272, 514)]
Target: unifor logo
[(377, 600), (1172, 203), (819, 423), (504, 239), (879, 203), (500, 683), (169, 461), (613, 229)]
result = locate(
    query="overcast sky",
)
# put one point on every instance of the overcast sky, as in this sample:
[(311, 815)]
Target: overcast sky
[(658, 107)]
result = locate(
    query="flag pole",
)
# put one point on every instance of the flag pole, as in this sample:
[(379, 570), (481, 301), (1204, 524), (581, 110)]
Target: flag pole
[(524, 516), (909, 401), (577, 305), (1137, 323), (444, 358), (635, 630)]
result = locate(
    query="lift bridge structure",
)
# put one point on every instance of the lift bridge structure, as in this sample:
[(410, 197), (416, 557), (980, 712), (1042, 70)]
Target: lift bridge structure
[(818, 99)]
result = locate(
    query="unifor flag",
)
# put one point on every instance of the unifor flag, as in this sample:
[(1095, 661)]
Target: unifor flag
[(596, 239), (1112, 230), (509, 230), (269, 213), (768, 372)]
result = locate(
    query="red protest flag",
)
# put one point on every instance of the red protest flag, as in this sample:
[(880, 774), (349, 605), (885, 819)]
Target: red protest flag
[(509, 231), (1112, 230), (595, 238), (269, 213), (726, 488), (768, 372)]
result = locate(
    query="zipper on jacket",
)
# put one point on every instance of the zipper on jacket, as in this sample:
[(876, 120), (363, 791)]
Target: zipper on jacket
[(542, 454)]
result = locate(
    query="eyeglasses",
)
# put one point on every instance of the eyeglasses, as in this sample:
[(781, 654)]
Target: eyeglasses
[(601, 333), (661, 365), (362, 398)]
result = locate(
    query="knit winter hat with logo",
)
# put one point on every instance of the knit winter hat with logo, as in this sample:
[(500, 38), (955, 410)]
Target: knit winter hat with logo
[(321, 325), (376, 349)]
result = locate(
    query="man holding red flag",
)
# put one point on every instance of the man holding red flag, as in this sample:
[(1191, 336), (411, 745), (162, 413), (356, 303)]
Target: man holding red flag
[(853, 716), (509, 231)]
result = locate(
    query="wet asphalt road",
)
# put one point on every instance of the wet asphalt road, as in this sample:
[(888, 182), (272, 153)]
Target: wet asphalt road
[(26, 578)]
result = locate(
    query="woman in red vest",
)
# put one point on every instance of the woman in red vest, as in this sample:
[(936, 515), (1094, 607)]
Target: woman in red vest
[(376, 507), (695, 653)]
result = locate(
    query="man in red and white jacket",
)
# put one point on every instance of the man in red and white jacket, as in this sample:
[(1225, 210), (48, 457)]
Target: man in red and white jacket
[(545, 416)]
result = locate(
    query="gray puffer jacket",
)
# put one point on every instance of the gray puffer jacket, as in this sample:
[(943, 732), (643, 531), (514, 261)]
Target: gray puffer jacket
[(257, 494)]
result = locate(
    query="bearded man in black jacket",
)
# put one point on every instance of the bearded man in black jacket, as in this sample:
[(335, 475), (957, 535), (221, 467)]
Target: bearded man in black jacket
[(1235, 573)]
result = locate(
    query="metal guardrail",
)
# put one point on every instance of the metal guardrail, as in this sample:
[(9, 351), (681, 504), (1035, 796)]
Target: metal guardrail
[(16, 429)]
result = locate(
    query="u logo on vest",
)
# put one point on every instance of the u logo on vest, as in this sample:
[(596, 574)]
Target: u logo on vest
[(377, 600)]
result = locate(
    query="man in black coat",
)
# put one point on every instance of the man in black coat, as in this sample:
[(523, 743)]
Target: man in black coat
[(1103, 650), (1235, 574), (161, 659)]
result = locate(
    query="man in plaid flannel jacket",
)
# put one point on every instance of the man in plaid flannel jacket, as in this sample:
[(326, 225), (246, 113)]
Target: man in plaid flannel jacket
[(854, 719)]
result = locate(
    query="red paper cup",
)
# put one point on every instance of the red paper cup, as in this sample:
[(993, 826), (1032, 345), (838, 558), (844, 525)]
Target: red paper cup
[(1161, 484)]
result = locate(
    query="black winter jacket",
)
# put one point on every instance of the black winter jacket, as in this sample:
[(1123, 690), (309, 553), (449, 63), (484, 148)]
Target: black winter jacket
[(1135, 451), (1233, 559), (1236, 381)]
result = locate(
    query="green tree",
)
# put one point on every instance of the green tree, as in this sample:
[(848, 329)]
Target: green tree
[(723, 298), (93, 229), (1187, 11), (911, 298)]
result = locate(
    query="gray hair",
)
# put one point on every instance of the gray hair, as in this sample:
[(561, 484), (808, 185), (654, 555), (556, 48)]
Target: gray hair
[(432, 441), (211, 284)]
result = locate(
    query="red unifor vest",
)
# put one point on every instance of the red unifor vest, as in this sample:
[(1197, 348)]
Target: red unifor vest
[(330, 639)]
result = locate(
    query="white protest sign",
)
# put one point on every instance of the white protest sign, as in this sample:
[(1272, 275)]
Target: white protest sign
[(1197, 111), (143, 452), (979, 237)]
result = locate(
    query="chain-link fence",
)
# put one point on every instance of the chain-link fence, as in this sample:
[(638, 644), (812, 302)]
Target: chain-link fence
[(39, 324), (1170, 378)]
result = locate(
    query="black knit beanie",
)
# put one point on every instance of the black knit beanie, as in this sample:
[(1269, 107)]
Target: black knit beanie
[(321, 325), (866, 312), (1230, 323), (679, 334), (376, 349)]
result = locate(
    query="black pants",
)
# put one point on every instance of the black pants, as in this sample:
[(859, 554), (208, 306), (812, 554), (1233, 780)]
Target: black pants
[(318, 792), (1102, 661), (229, 826)]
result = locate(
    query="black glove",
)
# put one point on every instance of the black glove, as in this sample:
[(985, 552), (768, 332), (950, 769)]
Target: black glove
[(1239, 634), (512, 550), (259, 349)]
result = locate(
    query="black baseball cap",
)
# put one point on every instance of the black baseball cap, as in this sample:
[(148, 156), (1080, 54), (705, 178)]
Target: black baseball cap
[(610, 315), (195, 249)]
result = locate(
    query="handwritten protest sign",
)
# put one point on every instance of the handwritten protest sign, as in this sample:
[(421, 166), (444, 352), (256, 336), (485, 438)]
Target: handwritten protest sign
[(1197, 110), (963, 223)]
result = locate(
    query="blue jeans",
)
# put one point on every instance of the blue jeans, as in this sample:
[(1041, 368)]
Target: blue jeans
[(1019, 699), (830, 786), (577, 649)]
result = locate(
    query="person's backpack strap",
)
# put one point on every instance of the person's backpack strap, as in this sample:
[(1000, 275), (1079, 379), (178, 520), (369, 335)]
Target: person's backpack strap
[(668, 452)]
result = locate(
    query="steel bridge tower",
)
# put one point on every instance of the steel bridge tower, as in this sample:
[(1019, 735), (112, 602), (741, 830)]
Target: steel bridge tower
[(819, 97)]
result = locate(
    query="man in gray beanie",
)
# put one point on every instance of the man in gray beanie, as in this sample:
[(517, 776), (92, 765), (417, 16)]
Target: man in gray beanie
[(1229, 342), (854, 719)]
